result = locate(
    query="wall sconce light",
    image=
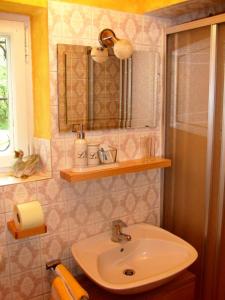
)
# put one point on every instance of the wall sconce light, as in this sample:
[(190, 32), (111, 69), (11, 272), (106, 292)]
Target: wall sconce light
[(123, 49), (99, 54)]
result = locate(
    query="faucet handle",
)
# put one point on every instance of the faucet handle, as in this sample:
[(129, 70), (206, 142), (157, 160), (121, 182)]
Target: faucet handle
[(119, 223)]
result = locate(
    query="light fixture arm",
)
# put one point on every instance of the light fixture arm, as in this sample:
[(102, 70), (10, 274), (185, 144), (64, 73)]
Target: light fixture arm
[(107, 38)]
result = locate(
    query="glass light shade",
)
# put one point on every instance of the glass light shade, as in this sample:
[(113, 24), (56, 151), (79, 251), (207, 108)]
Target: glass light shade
[(123, 49), (99, 55)]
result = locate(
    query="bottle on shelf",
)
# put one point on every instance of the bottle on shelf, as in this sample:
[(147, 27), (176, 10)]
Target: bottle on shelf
[(81, 147)]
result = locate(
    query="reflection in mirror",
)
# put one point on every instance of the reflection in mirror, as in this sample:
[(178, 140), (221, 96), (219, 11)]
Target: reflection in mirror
[(113, 94)]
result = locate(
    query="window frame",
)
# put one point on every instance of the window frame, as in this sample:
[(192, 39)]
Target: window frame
[(18, 29)]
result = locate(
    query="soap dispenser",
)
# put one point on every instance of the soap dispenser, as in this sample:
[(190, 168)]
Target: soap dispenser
[(80, 160)]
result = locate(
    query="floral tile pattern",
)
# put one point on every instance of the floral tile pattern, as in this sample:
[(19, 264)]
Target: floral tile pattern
[(42, 147), (2, 229), (23, 255), (104, 18), (131, 27), (153, 31), (27, 284), (5, 288), (77, 21), (18, 193)]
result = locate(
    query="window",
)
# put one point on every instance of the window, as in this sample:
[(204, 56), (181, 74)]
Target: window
[(15, 91)]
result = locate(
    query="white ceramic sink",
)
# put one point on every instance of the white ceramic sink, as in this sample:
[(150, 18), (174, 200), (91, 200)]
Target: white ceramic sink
[(155, 255)]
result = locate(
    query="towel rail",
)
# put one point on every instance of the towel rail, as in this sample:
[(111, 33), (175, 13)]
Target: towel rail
[(51, 265)]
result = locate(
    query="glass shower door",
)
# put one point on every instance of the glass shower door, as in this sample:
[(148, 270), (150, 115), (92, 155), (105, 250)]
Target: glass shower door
[(187, 136), (214, 287)]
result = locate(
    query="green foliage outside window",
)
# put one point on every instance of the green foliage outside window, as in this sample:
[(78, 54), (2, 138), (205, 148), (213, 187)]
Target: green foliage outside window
[(4, 104), (4, 114)]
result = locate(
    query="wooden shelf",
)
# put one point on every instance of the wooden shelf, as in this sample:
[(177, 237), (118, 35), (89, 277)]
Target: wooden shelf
[(25, 233), (130, 166)]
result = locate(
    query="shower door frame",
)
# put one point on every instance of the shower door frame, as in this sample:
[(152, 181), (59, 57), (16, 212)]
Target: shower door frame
[(213, 23)]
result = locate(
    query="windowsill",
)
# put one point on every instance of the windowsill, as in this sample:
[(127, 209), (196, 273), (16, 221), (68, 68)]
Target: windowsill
[(6, 179)]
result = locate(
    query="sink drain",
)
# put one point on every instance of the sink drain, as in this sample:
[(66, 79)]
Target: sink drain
[(129, 272)]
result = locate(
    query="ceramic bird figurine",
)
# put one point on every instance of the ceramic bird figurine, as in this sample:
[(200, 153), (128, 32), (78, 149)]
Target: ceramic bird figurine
[(25, 167)]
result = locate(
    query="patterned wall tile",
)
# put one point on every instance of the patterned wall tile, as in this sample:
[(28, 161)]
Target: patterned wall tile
[(112, 184), (96, 228), (129, 146), (80, 189), (3, 239), (131, 27), (153, 175), (19, 193), (153, 31), (58, 154), (53, 88), (77, 21), (42, 147), (4, 265), (56, 217), (52, 50), (111, 139), (55, 18), (24, 255), (55, 123), (104, 18), (51, 191), (142, 178), (154, 217), (77, 234), (54, 246), (2, 200), (26, 285), (5, 289), (78, 215), (70, 151)]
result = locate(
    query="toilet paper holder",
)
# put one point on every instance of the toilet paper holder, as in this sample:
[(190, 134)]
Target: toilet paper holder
[(20, 234)]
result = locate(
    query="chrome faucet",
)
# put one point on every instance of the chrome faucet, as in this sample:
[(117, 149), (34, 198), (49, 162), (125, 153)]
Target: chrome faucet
[(117, 234)]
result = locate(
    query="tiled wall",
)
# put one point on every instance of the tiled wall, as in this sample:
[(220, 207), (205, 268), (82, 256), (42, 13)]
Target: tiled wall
[(76, 211)]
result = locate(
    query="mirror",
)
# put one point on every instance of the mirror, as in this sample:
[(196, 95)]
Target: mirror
[(113, 94)]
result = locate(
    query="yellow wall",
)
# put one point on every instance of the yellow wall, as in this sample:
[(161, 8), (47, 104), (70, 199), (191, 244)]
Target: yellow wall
[(40, 69), (34, 3), (134, 6), (37, 10)]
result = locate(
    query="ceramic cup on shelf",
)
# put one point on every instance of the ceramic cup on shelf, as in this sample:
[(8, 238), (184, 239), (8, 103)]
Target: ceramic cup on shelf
[(93, 159)]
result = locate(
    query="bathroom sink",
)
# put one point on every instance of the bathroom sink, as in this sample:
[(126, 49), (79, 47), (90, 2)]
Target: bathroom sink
[(152, 257)]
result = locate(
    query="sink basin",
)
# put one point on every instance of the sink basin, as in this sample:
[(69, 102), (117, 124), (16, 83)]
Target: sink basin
[(153, 257)]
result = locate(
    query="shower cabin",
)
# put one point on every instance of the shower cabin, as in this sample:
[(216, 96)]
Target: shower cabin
[(195, 141)]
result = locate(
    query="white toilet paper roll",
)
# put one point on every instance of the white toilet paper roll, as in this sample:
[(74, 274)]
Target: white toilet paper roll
[(28, 215)]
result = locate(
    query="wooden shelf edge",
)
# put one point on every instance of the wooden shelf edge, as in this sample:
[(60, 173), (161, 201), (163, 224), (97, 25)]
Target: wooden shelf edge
[(25, 233), (124, 167)]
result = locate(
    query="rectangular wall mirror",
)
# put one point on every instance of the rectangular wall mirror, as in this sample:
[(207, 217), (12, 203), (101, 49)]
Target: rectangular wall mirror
[(113, 94)]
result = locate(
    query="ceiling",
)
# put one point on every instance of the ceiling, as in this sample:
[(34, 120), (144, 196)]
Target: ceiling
[(188, 7), (159, 8)]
